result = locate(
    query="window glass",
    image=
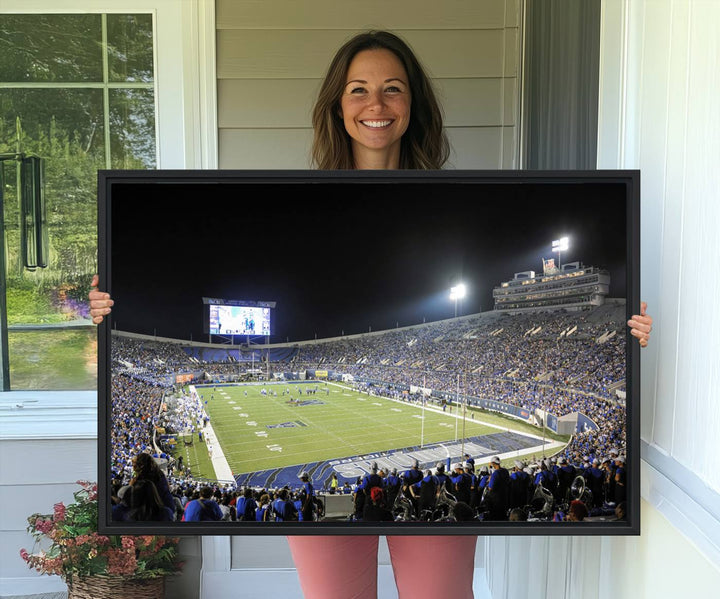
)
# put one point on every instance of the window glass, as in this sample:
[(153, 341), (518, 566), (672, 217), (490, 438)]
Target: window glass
[(53, 359), (37, 48), (132, 128), (130, 47), (80, 105)]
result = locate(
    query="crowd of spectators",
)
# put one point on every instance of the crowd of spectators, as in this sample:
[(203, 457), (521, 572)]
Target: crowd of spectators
[(204, 501), (135, 412), (523, 347), (481, 493)]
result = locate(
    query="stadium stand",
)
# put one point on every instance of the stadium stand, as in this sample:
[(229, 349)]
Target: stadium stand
[(563, 367)]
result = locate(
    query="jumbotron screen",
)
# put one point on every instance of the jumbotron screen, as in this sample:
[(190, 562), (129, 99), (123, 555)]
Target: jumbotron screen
[(239, 320)]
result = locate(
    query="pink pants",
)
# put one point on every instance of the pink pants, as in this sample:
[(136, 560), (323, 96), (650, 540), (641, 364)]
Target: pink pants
[(346, 566)]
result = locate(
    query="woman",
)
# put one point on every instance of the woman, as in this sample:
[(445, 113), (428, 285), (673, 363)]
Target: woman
[(362, 120), (146, 504), (376, 109), (145, 468)]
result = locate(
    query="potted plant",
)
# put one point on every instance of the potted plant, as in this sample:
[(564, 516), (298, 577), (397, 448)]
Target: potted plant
[(67, 544)]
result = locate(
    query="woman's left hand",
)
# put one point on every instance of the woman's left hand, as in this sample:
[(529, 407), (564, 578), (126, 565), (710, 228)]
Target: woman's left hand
[(641, 325)]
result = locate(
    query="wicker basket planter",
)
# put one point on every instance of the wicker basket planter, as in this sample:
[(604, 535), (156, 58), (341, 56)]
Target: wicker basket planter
[(116, 587)]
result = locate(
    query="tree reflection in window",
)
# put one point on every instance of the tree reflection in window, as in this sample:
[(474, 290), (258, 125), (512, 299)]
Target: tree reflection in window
[(81, 88)]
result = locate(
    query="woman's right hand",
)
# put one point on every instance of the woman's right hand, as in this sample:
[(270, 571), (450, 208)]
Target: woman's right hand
[(100, 302)]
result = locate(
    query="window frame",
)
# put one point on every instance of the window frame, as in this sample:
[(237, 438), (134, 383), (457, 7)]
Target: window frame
[(185, 93), (185, 129)]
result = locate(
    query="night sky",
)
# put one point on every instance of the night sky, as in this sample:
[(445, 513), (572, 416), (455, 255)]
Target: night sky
[(343, 256)]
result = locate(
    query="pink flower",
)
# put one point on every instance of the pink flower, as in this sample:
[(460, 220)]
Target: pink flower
[(121, 562), (53, 566), (59, 509), (24, 555), (146, 540), (44, 526), (128, 543)]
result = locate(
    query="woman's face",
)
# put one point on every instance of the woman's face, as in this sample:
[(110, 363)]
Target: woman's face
[(375, 104)]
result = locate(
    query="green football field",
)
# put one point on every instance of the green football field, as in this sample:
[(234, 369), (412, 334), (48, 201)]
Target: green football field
[(260, 432)]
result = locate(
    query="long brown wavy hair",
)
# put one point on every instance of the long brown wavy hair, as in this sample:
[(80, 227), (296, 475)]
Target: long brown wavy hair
[(424, 145)]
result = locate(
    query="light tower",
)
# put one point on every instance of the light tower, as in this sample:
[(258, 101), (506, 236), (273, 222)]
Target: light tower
[(560, 245), (457, 293)]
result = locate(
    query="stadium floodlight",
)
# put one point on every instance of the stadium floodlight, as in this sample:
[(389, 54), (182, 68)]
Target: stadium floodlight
[(457, 293), (560, 245)]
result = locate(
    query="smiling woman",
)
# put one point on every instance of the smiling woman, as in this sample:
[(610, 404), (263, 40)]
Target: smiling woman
[(364, 106), (375, 108)]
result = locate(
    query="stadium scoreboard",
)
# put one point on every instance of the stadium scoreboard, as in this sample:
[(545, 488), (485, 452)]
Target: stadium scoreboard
[(239, 317)]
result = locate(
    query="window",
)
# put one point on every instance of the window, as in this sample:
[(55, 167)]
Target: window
[(77, 91)]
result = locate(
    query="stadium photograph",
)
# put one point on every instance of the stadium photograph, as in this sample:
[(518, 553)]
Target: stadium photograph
[(371, 361)]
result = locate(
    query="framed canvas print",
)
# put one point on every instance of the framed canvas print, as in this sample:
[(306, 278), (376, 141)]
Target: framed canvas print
[(369, 352)]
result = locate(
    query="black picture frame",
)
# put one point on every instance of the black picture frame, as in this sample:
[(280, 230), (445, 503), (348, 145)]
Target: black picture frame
[(607, 191)]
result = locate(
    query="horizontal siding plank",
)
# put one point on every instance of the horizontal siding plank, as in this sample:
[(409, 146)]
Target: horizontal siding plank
[(259, 103), (36, 498), (272, 103), (475, 102), (18, 581), (265, 148), (306, 54), (51, 461), (475, 147), (377, 14)]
